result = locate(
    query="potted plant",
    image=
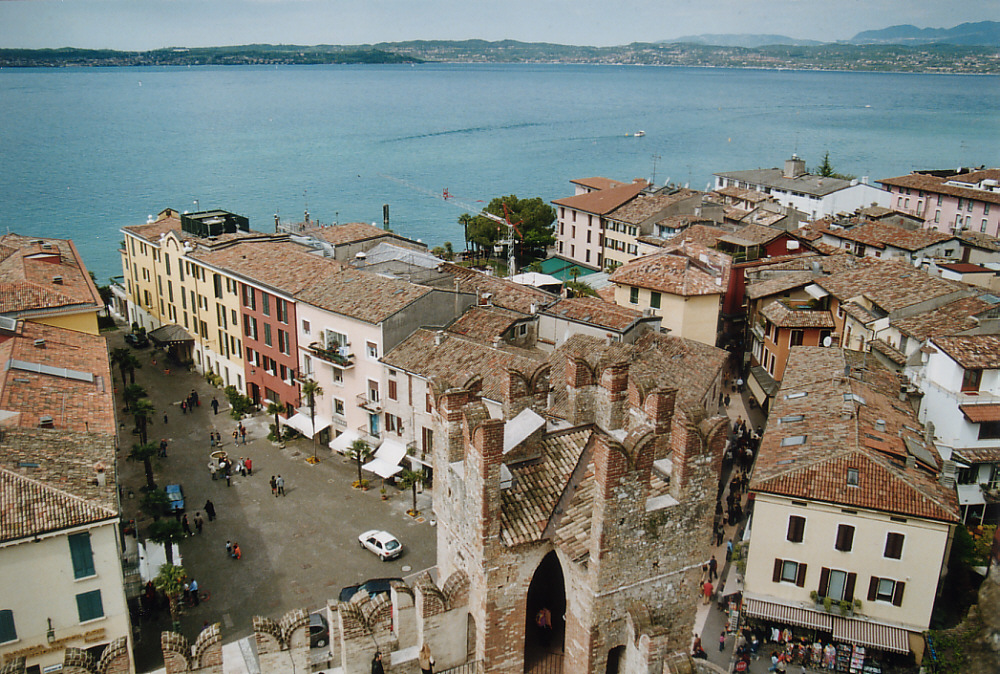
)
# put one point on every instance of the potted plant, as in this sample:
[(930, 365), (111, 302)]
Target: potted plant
[(382, 493), (827, 604), (845, 607)]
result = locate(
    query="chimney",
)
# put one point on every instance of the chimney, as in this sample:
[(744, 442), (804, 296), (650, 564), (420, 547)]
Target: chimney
[(438, 337), (880, 425), (534, 308), (277, 223), (794, 167), (612, 397), (947, 475)]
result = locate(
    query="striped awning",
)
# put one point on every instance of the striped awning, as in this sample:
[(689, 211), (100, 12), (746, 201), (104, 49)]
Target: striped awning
[(875, 635), (792, 615)]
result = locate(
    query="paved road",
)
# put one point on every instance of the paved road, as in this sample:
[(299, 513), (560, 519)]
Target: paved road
[(298, 550)]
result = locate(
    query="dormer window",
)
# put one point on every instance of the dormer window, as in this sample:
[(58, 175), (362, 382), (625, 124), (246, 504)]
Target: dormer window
[(971, 380), (853, 477)]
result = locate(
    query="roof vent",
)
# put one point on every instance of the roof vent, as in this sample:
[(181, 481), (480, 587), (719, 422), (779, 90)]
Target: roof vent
[(438, 337), (46, 246), (880, 425), (58, 280), (45, 421), (39, 343)]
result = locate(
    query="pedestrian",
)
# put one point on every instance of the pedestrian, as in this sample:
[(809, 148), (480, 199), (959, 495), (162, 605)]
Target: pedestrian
[(194, 398), (729, 550), (229, 477), (163, 448), (211, 439), (184, 407), (164, 417), (248, 464), (186, 525), (237, 553), (229, 548), (211, 469), (215, 405), (279, 482), (218, 439), (236, 437), (425, 660), (194, 591), (713, 568), (210, 510), (274, 486), (239, 466), (243, 433), (377, 664), (187, 593), (722, 641), (198, 522), (707, 590)]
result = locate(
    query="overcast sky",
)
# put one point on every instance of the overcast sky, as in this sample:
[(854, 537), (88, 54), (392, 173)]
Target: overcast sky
[(150, 24)]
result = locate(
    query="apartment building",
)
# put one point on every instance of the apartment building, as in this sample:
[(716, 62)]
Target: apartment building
[(949, 201), (581, 219)]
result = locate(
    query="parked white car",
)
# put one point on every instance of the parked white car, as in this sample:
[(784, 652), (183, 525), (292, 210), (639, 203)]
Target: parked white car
[(382, 543)]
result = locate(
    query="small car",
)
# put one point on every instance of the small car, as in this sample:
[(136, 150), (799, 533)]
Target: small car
[(137, 340), (382, 543), (373, 586), (319, 631), (175, 496)]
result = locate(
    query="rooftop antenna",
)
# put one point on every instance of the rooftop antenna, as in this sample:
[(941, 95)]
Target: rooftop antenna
[(652, 180)]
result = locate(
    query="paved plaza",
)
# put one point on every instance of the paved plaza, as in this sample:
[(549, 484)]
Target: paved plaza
[(298, 550)]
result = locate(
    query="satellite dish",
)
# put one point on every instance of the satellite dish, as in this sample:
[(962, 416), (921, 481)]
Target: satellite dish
[(828, 340)]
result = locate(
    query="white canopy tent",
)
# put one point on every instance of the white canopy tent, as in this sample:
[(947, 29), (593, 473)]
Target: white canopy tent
[(387, 458), (342, 442), (303, 423)]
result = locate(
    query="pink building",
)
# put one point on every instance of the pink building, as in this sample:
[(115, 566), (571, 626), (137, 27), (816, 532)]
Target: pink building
[(950, 202), (581, 217)]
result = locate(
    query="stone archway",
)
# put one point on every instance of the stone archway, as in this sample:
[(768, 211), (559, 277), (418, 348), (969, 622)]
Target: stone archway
[(616, 658), (545, 603)]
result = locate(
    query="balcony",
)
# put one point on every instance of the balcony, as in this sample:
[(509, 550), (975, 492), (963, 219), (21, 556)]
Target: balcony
[(333, 356), (366, 434), (366, 403)]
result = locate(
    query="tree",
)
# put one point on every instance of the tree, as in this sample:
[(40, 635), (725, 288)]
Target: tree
[(155, 503), (826, 170), (170, 581), (142, 412), (276, 409), (145, 453), (166, 533), (132, 393), (127, 364), (409, 479), (311, 389), (465, 219), (536, 218), (359, 451)]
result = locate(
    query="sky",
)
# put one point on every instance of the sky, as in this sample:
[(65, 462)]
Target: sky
[(151, 24)]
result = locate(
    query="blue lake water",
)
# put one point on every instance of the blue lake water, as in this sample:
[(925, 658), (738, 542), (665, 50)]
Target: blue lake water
[(84, 152)]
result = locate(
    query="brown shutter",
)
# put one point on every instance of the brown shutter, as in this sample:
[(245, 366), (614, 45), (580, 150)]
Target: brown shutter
[(845, 537), (796, 528), (897, 593), (849, 586), (893, 546), (777, 571), (801, 581), (824, 582), (872, 588)]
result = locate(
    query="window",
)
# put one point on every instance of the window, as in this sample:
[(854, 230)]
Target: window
[(282, 308), (428, 403), (333, 339), (338, 376), (89, 606), (393, 424), (982, 227), (971, 380), (249, 300), (82, 555), (305, 326), (267, 332), (654, 300), (886, 589), (796, 528), (217, 284), (893, 545), (392, 390), (940, 200), (7, 630), (937, 216), (986, 209), (960, 203), (852, 477), (338, 407), (265, 304), (373, 390), (796, 338), (989, 430), (787, 571), (283, 342), (845, 538), (633, 295), (371, 348), (837, 585)]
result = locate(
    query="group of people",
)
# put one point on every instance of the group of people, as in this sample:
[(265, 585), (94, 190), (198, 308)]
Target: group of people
[(424, 660), (190, 402), (233, 550), (226, 467)]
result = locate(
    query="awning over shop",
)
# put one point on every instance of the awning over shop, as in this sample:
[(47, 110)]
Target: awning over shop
[(342, 442), (761, 384), (793, 615), (875, 635), (170, 334), (387, 458), (303, 423)]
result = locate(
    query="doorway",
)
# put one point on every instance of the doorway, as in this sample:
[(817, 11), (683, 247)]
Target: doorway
[(545, 622)]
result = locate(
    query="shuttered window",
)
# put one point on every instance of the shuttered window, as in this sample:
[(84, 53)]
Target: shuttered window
[(796, 528), (7, 630), (82, 555), (845, 538), (893, 545), (886, 589), (838, 585), (788, 571), (89, 606)]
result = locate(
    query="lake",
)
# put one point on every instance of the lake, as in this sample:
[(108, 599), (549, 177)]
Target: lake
[(86, 151)]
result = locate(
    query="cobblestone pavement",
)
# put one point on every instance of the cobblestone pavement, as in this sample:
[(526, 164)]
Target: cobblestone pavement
[(298, 550)]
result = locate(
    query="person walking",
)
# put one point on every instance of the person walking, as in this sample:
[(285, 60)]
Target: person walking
[(236, 437), (210, 510), (211, 469), (425, 660), (243, 433), (229, 548), (274, 486), (722, 641), (184, 407), (707, 589), (163, 448), (215, 405), (377, 664), (713, 568), (239, 466), (237, 553), (194, 591), (186, 525), (229, 477), (198, 522), (280, 484), (248, 464)]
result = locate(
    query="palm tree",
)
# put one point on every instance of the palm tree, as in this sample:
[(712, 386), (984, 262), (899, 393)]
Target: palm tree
[(145, 453), (170, 581), (276, 409), (132, 393), (359, 451), (166, 532), (465, 219), (409, 479), (127, 364), (155, 503), (142, 412), (311, 389)]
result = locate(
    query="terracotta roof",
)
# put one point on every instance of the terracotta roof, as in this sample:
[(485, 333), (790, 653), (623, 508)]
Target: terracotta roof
[(784, 316), (595, 311), (966, 268), (359, 294), (505, 293), (972, 352), (598, 183), (603, 201), (645, 206), (276, 263), (674, 274), (882, 234), (485, 323), (757, 234), (68, 379), (48, 481), (780, 284), (573, 526), (977, 414), (743, 194), (705, 235), (978, 454), (979, 240), (890, 284), (29, 267), (848, 422), (938, 185), (949, 319), (349, 232), (889, 351)]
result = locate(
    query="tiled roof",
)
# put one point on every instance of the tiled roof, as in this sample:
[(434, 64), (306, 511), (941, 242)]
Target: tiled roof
[(758, 234), (966, 268), (972, 352), (980, 413), (743, 194), (849, 422), (859, 313), (646, 206), (504, 293), (890, 284), (882, 234), (665, 272), (597, 183), (525, 508), (485, 323), (349, 232), (359, 294), (978, 454), (937, 185), (34, 380), (278, 263), (980, 240), (603, 201), (572, 533), (48, 481), (784, 316), (28, 270), (775, 178), (890, 352), (706, 235), (458, 360), (949, 319), (779, 284), (595, 311)]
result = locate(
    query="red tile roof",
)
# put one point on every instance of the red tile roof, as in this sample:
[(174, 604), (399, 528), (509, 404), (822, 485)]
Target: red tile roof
[(603, 201), (978, 414), (359, 294), (43, 273), (882, 234), (276, 263), (595, 311), (937, 185), (972, 352), (673, 274), (597, 183)]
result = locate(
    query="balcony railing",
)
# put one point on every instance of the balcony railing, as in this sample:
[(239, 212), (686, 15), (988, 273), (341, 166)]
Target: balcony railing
[(366, 434), (331, 355), (366, 403)]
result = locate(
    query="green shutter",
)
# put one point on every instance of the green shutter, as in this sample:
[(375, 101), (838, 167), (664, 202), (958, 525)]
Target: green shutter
[(89, 606), (7, 630), (82, 554)]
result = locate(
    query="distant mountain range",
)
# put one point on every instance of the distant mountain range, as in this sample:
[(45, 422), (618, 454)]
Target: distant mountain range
[(982, 33)]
